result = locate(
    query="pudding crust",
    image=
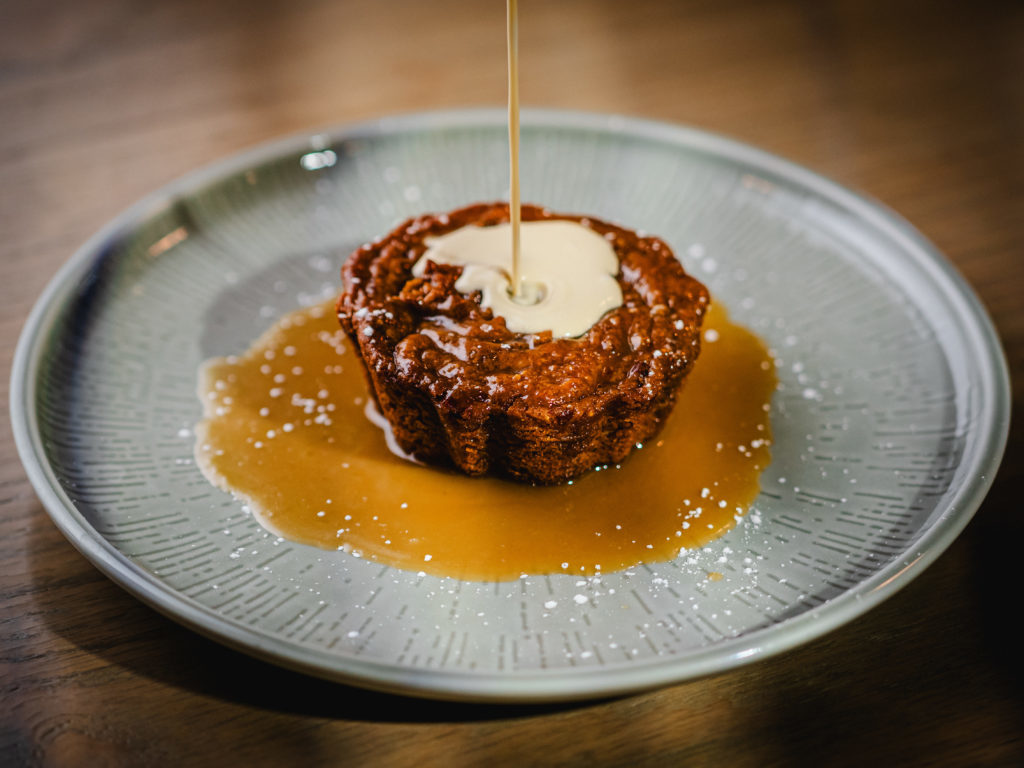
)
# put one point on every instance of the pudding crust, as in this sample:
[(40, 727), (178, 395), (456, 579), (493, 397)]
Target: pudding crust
[(460, 390)]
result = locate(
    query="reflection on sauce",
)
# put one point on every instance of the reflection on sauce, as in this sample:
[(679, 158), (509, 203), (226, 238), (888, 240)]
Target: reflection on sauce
[(285, 429)]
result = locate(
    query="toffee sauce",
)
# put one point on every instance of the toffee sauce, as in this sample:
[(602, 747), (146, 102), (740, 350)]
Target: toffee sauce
[(286, 430)]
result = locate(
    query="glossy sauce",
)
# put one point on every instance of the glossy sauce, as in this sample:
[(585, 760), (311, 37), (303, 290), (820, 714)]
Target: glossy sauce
[(285, 429)]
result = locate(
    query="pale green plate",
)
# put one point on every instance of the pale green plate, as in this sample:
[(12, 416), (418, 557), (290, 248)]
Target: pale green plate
[(889, 422)]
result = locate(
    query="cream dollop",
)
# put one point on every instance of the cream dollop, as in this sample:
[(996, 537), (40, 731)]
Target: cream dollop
[(568, 274)]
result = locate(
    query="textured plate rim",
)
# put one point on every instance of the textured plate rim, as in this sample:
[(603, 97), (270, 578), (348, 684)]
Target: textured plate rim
[(519, 686)]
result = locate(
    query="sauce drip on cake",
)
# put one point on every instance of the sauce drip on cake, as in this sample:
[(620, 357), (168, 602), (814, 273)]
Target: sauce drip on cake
[(567, 274)]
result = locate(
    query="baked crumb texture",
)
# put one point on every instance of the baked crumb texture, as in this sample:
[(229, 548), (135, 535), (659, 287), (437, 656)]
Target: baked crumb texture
[(460, 390)]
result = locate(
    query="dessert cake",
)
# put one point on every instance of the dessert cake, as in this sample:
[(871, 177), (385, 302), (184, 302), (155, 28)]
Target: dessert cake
[(458, 388)]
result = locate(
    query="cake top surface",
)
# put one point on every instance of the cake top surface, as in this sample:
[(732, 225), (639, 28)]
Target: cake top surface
[(427, 334)]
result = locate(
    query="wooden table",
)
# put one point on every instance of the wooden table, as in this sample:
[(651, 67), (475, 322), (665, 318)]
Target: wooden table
[(920, 105)]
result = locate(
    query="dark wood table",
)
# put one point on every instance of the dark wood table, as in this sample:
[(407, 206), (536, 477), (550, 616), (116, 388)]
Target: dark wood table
[(920, 105)]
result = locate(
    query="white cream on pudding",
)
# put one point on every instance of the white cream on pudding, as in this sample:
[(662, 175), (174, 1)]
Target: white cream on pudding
[(567, 274)]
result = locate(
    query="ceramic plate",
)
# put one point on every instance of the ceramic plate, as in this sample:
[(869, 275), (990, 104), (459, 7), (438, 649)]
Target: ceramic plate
[(889, 421)]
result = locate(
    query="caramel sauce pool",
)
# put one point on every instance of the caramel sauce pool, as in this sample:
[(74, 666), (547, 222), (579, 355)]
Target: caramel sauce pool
[(285, 429)]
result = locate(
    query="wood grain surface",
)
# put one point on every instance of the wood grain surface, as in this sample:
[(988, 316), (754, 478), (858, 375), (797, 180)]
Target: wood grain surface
[(918, 104)]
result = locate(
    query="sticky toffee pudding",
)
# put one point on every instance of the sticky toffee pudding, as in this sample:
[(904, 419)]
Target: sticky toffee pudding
[(463, 386)]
